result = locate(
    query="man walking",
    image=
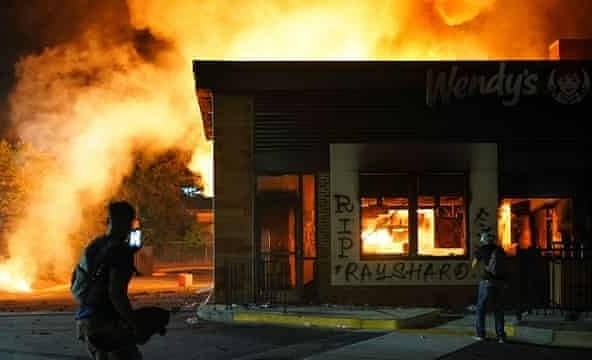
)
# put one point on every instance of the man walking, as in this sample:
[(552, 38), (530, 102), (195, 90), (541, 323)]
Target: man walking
[(106, 321)]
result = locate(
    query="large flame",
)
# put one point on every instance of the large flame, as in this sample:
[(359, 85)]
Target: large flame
[(95, 99), (388, 234), (11, 278), (505, 226), (456, 12)]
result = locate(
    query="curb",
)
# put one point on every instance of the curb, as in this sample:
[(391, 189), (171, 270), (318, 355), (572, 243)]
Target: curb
[(317, 320), (36, 313)]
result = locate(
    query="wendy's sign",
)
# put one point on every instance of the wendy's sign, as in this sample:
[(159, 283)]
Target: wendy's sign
[(297, 105), (563, 83)]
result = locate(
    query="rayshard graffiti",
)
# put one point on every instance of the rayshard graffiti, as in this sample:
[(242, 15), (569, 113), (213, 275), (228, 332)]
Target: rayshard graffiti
[(404, 270), (349, 269)]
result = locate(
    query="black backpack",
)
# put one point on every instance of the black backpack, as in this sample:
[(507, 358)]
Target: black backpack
[(497, 264), (89, 271)]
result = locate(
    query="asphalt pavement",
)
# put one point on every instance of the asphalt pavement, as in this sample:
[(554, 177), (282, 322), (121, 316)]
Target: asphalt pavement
[(51, 336), (27, 336)]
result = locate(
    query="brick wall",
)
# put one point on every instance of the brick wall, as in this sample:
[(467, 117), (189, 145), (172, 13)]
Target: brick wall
[(233, 190)]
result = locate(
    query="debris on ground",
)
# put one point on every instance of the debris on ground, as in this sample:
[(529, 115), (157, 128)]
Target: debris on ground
[(192, 321)]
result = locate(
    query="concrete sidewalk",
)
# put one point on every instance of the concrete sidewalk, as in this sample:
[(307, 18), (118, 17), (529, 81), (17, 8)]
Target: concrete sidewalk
[(550, 330), (456, 335), (400, 346), (403, 345)]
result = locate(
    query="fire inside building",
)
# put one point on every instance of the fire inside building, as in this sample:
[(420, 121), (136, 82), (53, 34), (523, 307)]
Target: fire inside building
[(370, 182)]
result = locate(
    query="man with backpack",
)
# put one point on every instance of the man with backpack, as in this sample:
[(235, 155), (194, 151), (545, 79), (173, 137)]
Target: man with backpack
[(491, 257), (105, 320)]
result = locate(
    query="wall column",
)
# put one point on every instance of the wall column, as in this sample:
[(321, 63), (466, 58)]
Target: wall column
[(484, 199), (233, 197)]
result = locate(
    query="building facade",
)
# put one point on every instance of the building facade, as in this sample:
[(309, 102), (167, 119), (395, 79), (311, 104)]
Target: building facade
[(369, 182)]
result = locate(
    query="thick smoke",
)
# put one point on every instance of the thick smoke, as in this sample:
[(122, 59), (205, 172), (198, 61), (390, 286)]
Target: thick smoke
[(92, 102), (113, 77)]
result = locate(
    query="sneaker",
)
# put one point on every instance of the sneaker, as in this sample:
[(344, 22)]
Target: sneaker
[(479, 338), (501, 340)]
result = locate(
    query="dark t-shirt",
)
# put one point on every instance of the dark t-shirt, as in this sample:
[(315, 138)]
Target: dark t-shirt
[(113, 255), (483, 255)]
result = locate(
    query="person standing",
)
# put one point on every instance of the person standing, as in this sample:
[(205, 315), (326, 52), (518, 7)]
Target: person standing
[(491, 258)]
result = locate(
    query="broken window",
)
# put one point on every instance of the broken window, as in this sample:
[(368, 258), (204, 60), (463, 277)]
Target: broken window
[(385, 225), (543, 223), (413, 214)]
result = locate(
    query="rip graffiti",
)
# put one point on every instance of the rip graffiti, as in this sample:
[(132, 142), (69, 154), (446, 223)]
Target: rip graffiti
[(343, 210)]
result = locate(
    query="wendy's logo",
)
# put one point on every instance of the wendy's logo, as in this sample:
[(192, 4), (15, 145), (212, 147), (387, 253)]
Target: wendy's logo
[(568, 86)]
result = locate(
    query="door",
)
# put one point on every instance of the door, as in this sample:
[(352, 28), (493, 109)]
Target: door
[(286, 234)]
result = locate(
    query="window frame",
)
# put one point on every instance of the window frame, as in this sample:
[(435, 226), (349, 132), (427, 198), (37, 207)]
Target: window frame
[(413, 200)]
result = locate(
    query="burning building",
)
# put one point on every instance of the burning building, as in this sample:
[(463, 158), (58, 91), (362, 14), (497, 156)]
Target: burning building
[(115, 81), (369, 182)]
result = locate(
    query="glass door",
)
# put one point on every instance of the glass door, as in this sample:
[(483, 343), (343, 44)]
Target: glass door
[(286, 235)]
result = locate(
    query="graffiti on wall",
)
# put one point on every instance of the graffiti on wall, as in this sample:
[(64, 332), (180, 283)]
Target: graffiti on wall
[(344, 209), (404, 270), (349, 269)]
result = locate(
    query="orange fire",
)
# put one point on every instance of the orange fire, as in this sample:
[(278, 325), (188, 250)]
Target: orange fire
[(505, 226), (93, 101), (12, 280), (456, 12), (10, 283), (389, 234), (386, 233), (515, 231)]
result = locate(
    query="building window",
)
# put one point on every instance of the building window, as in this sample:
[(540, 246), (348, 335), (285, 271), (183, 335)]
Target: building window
[(544, 223), (421, 215)]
